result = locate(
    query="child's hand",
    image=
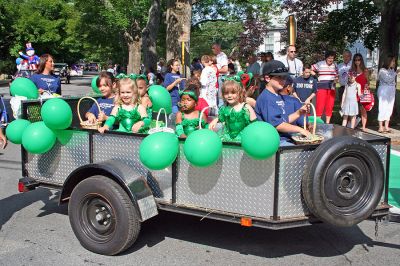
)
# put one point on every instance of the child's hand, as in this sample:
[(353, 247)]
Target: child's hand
[(91, 118), (305, 109), (102, 129), (213, 124), (137, 126), (102, 117), (305, 133)]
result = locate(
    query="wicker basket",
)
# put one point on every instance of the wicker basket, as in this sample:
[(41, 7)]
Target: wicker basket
[(315, 139), (165, 128), (86, 124)]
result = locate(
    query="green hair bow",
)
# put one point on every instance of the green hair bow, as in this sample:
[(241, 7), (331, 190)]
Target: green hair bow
[(190, 93), (123, 76)]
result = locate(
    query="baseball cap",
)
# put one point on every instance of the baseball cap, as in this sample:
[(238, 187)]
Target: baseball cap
[(275, 68)]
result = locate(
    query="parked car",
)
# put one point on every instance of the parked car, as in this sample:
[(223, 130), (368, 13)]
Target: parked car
[(93, 67), (62, 70)]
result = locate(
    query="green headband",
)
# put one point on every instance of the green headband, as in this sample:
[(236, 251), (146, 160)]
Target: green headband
[(190, 93), (132, 77), (234, 78)]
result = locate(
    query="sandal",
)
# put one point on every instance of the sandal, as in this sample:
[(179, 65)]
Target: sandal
[(387, 131), (382, 131)]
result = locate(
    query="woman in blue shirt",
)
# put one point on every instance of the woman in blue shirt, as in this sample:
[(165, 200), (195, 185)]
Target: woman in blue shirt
[(44, 78), (174, 82)]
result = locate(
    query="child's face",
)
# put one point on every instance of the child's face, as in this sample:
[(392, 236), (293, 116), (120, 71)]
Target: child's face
[(105, 90), (187, 103), (231, 97), (126, 94), (277, 82), (142, 87)]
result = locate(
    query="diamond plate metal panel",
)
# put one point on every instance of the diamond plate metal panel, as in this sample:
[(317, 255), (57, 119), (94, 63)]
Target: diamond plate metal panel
[(382, 151), (292, 165), (54, 166), (125, 148), (236, 183)]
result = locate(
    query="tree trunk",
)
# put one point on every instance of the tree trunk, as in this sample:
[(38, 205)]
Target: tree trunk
[(179, 19), (149, 35), (390, 30), (134, 41)]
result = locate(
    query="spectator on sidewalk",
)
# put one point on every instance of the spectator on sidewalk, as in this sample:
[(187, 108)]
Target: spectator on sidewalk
[(222, 66), (173, 82), (290, 61), (254, 66), (358, 67), (305, 87), (343, 69), (327, 75)]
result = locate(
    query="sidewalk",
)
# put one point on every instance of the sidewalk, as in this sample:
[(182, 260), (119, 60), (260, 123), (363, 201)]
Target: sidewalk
[(394, 135)]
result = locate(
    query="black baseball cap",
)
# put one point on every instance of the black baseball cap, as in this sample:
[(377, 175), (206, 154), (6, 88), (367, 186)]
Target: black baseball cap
[(275, 68)]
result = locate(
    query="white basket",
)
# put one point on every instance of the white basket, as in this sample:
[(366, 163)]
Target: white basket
[(161, 129)]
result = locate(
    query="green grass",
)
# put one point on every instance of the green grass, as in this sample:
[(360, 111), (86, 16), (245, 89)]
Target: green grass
[(394, 181)]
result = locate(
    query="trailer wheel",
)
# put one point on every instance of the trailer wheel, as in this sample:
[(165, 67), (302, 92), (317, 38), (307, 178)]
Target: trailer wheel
[(343, 181), (102, 216)]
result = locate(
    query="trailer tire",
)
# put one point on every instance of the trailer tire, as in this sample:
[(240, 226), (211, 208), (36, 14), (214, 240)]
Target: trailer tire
[(102, 216), (343, 181)]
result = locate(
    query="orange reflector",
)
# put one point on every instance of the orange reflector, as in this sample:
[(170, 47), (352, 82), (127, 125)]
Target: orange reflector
[(246, 222)]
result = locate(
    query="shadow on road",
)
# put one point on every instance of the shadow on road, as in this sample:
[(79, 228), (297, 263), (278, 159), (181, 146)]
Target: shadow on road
[(14, 203), (319, 240)]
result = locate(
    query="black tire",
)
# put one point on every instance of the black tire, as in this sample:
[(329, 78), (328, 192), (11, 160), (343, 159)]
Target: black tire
[(102, 216), (343, 181)]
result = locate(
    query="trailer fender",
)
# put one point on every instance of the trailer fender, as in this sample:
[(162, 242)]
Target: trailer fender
[(129, 179)]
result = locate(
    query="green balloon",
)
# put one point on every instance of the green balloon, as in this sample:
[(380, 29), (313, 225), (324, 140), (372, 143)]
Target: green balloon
[(15, 130), (203, 148), (159, 150), (56, 113), (319, 120), (94, 85), (63, 136), (24, 87), (160, 98), (37, 138), (260, 140)]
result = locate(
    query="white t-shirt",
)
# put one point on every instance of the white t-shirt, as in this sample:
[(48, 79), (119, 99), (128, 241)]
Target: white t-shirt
[(208, 80), (222, 60), (344, 73), (295, 66)]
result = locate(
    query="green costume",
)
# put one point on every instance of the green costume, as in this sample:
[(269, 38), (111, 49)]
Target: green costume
[(187, 126), (127, 119), (234, 122)]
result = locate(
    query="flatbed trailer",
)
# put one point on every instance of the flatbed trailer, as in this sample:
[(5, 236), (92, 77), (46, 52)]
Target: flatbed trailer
[(342, 181)]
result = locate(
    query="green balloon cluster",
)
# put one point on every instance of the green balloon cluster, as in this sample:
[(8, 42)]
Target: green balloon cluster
[(160, 98), (260, 140), (319, 120), (159, 150), (38, 138), (24, 87), (15, 130), (203, 148), (94, 85), (56, 114)]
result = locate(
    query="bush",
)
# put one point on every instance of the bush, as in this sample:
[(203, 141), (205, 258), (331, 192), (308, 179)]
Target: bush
[(7, 67)]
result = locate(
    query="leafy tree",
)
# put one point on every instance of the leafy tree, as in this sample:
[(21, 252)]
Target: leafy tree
[(309, 14)]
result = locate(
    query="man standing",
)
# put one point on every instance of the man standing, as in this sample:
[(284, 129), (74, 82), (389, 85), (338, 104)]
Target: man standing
[(270, 105), (222, 65), (343, 69), (254, 66), (294, 65)]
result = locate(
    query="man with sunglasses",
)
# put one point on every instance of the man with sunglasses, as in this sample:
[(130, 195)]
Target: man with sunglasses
[(292, 63), (270, 105)]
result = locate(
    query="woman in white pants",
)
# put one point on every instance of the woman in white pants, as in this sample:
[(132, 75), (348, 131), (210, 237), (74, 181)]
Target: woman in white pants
[(386, 93)]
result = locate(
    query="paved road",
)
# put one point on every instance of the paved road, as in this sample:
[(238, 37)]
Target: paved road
[(34, 230)]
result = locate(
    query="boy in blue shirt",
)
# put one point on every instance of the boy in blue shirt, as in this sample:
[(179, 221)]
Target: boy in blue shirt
[(270, 105), (305, 86)]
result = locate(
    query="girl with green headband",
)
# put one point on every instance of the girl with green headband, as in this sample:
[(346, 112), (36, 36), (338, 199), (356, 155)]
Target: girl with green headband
[(235, 113), (187, 119), (131, 115)]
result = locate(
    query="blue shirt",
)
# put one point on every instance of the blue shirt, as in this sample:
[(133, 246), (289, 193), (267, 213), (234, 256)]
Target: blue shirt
[(106, 105), (304, 87), (270, 107), (51, 83), (292, 104), (168, 80)]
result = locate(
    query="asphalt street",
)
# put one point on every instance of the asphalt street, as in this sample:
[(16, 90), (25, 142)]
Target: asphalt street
[(34, 230)]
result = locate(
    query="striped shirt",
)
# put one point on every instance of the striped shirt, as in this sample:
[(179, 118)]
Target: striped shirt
[(326, 74)]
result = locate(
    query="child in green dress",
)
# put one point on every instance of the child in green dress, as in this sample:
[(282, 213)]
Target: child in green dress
[(235, 113), (187, 119), (130, 114)]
